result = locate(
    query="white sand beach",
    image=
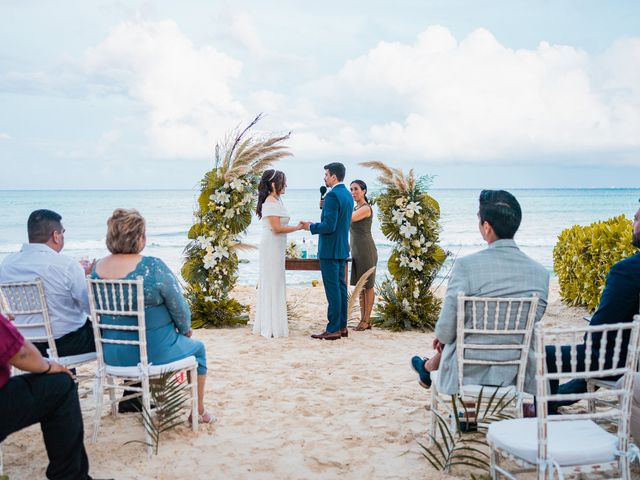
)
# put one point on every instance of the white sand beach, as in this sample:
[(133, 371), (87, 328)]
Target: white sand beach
[(287, 409)]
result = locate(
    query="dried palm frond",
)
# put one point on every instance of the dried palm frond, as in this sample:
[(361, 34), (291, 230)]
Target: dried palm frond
[(244, 247), (169, 396), (359, 286)]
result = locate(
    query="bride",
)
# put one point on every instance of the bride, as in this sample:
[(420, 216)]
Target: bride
[(271, 311)]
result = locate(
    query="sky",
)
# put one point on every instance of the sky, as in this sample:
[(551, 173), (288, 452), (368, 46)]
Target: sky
[(477, 94)]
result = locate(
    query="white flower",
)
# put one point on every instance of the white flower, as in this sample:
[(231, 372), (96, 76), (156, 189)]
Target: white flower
[(412, 208), (236, 185), (416, 293), (204, 242), (220, 252), (416, 264), (416, 243), (230, 213), (209, 298), (220, 197), (407, 230), (404, 260), (209, 261), (400, 201), (397, 216), (406, 305)]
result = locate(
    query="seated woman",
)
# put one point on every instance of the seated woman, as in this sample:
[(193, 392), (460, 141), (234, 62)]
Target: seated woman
[(167, 315)]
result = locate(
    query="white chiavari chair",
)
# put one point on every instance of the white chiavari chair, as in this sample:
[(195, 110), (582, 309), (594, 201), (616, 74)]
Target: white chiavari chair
[(572, 443), (117, 308)]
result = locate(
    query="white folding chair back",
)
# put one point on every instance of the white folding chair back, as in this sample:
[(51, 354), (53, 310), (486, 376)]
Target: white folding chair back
[(117, 306), (491, 332), (28, 303), (573, 442)]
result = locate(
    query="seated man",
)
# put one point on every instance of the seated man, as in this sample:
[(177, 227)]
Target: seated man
[(51, 400), (501, 270), (64, 282), (619, 303)]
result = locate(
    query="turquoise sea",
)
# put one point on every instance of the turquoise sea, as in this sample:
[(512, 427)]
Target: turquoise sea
[(169, 215)]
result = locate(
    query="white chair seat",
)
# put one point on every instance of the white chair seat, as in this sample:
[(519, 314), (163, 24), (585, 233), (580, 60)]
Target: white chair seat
[(474, 390), (569, 442), (78, 359), (154, 370), (603, 383)]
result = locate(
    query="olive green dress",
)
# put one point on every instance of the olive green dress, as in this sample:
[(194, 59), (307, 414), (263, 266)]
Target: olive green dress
[(364, 254)]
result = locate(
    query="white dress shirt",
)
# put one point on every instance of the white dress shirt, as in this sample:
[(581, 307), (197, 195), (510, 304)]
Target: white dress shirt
[(63, 279)]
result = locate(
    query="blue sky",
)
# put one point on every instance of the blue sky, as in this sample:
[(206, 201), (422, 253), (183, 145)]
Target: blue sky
[(115, 94)]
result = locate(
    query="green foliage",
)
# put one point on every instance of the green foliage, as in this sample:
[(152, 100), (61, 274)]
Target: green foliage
[(466, 447), (224, 211), (410, 217), (169, 397), (584, 255)]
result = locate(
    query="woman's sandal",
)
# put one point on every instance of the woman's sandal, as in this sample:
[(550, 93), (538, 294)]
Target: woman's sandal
[(206, 417), (363, 326)]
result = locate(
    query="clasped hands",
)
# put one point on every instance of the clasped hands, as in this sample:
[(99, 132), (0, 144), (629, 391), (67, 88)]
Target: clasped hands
[(304, 225)]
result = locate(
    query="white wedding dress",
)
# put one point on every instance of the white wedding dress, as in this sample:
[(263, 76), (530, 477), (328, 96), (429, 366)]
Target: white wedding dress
[(271, 311)]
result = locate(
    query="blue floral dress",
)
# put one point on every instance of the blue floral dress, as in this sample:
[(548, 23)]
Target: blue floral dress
[(167, 318)]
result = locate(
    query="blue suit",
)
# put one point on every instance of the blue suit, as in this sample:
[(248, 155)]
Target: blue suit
[(619, 302), (333, 250)]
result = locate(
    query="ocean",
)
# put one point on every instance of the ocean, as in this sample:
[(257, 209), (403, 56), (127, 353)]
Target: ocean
[(169, 215)]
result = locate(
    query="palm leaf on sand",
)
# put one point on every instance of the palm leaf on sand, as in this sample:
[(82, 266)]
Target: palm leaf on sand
[(169, 397)]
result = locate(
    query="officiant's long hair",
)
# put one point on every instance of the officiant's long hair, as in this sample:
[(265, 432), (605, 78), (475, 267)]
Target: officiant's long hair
[(270, 179)]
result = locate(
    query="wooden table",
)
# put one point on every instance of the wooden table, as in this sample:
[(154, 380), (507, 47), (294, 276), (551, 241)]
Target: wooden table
[(311, 264)]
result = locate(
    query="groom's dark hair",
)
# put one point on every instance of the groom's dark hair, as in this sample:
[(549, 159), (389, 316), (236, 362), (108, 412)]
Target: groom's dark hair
[(337, 169)]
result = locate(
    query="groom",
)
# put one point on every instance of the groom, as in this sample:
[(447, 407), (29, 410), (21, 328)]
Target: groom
[(333, 249)]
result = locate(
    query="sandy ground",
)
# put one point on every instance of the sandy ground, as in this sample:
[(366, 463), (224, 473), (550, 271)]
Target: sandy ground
[(289, 408)]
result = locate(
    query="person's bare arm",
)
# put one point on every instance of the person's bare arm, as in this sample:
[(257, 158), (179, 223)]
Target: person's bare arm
[(277, 227), (361, 214), (28, 359)]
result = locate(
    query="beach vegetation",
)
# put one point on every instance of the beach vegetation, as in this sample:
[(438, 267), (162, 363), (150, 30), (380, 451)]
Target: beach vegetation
[(169, 395), (223, 213), (410, 218), (583, 256), (467, 447)]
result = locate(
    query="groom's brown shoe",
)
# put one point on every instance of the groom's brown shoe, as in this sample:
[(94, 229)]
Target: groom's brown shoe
[(344, 332), (327, 335)]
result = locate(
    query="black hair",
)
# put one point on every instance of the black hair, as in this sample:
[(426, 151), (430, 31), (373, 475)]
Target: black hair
[(502, 211), (363, 187), (42, 224), (265, 186), (337, 169)]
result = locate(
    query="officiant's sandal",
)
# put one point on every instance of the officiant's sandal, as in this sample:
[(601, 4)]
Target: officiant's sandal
[(363, 326)]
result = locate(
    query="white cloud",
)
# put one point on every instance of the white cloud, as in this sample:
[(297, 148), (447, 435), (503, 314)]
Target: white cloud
[(239, 27), (437, 99), (187, 89), (440, 99), (4, 136)]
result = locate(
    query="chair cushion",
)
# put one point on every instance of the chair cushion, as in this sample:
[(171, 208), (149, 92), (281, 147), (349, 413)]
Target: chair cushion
[(154, 370), (571, 442), (73, 360)]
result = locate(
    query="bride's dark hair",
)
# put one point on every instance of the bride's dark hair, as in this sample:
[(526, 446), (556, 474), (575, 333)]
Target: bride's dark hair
[(265, 187)]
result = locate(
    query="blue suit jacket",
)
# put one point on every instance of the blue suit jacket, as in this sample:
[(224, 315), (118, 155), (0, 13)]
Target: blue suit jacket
[(333, 229), (619, 302)]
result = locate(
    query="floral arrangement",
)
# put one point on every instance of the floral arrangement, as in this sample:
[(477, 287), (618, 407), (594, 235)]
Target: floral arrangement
[(292, 250), (224, 211), (410, 218)]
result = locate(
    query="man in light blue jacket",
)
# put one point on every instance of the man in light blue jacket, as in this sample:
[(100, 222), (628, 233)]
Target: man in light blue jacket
[(501, 270)]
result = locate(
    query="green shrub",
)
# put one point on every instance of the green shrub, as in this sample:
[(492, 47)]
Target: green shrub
[(583, 257)]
